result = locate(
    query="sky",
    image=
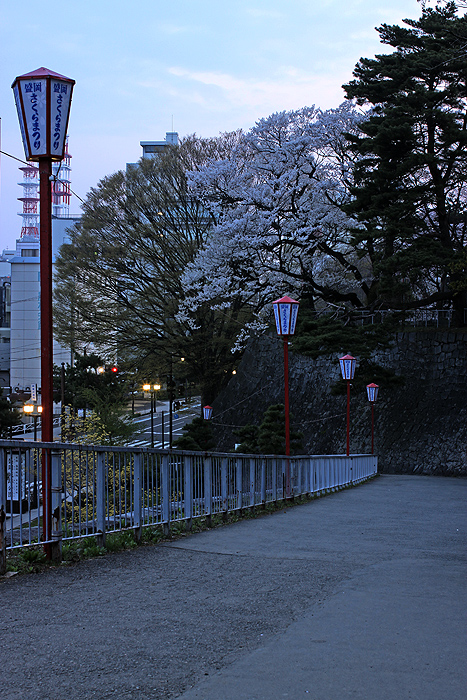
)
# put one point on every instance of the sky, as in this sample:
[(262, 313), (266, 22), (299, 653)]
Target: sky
[(147, 67)]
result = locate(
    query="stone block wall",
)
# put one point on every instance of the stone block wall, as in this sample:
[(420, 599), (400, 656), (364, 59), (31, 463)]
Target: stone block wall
[(420, 427)]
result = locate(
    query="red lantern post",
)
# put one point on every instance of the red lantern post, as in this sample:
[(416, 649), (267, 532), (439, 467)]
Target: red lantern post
[(372, 393), (347, 365), (43, 101), (285, 314)]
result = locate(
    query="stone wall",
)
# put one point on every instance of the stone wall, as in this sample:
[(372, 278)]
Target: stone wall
[(420, 427)]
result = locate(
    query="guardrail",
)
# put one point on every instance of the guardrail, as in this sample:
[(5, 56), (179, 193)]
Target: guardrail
[(29, 427), (97, 490)]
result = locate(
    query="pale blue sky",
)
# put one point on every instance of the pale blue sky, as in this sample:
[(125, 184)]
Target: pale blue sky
[(199, 66)]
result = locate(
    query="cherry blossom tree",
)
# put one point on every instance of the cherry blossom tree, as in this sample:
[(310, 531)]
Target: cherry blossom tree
[(276, 204)]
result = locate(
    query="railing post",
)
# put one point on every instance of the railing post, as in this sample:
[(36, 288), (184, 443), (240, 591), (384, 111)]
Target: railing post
[(165, 488), (263, 481), (137, 495), (56, 488), (3, 493), (274, 479), (208, 489), (188, 490), (239, 480), (285, 463), (100, 499), (224, 488), (252, 483)]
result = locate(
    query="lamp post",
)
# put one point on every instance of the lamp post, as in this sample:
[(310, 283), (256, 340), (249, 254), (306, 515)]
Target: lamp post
[(43, 101), (34, 410), (347, 365), (285, 314), (152, 388), (372, 393)]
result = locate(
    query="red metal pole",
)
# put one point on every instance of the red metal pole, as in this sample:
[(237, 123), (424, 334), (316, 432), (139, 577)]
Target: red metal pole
[(348, 418), (372, 427), (45, 194), (286, 408)]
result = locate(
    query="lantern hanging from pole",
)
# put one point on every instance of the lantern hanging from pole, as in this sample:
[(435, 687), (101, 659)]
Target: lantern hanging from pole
[(372, 392), (347, 365), (285, 314), (207, 412), (43, 101)]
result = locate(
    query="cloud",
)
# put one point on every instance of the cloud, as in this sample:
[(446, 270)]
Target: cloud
[(290, 89), (264, 14), (173, 29)]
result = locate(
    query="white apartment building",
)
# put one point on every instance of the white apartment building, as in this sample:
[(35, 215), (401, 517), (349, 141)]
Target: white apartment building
[(24, 278)]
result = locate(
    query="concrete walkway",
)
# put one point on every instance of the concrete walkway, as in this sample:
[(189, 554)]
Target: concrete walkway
[(360, 595)]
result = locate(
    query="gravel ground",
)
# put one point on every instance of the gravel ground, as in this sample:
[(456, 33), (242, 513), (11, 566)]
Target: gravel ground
[(153, 622)]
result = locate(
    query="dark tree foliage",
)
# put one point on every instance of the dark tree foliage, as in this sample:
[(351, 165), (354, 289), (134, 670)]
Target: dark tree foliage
[(118, 285), (269, 437), (9, 417), (105, 394), (410, 195), (197, 436)]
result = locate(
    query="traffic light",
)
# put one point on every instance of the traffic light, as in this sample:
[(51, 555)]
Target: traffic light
[(114, 369)]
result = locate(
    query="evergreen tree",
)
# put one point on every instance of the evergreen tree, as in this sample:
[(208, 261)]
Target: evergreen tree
[(410, 191), (105, 394), (197, 436), (9, 417), (269, 437)]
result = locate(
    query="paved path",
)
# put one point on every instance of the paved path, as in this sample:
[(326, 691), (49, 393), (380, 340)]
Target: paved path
[(360, 595)]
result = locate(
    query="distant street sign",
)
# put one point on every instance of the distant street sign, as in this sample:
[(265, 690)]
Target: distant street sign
[(33, 392)]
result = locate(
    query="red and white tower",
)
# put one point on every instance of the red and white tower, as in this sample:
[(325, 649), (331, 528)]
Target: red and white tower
[(61, 194), (30, 199)]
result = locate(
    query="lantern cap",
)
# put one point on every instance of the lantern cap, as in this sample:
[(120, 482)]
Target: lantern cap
[(286, 300), (373, 386), (43, 73), (347, 357)]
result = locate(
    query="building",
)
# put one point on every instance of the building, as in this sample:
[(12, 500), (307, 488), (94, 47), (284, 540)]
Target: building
[(152, 148), (22, 299)]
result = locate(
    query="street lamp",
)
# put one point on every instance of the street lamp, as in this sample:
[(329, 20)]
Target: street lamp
[(372, 393), (43, 101), (285, 314), (34, 410), (347, 365), (207, 412), (152, 388)]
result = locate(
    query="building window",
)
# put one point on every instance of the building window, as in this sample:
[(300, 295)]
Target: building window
[(30, 253)]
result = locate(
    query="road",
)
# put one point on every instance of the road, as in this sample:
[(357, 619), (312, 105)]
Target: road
[(143, 423), (360, 595), (161, 435)]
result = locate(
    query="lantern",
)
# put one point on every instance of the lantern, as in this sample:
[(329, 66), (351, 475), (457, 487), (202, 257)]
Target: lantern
[(285, 314), (43, 101), (372, 392), (207, 412), (347, 365)]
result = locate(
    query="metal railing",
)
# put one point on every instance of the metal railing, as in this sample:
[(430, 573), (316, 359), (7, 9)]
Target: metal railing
[(416, 318), (99, 490)]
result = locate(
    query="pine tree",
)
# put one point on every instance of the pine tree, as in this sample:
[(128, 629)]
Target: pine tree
[(410, 192), (9, 417)]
